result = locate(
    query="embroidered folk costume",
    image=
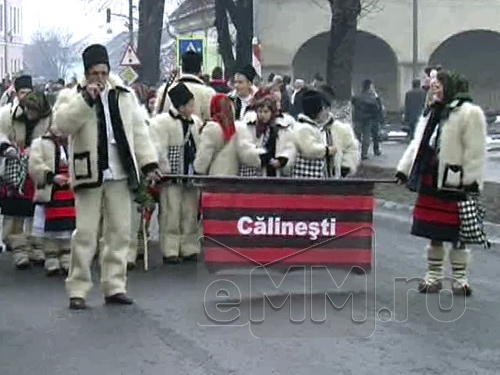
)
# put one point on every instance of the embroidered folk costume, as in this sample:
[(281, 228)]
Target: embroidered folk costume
[(444, 163), (315, 148), (55, 214), (109, 146), (176, 136), (271, 135), (20, 123)]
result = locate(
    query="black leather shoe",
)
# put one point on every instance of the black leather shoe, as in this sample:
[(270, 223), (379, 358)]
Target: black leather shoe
[(119, 299), (52, 273), (171, 260), (130, 266), (191, 258), (77, 304)]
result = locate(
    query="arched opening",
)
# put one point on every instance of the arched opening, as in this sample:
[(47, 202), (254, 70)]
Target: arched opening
[(476, 55), (373, 59)]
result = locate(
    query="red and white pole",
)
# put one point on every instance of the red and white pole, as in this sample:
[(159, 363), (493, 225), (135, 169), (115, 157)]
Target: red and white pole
[(256, 57)]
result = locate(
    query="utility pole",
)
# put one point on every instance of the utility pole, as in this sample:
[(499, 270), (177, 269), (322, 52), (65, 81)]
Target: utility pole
[(415, 40), (131, 22)]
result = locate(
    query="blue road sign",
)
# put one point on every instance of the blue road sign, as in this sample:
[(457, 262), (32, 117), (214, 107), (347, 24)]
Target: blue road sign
[(190, 44)]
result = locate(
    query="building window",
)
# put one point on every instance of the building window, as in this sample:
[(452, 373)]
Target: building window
[(1, 17), (14, 23), (11, 20), (18, 21)]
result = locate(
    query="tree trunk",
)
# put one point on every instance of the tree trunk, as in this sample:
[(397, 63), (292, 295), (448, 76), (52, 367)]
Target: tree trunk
[(224, 37), (149, 40), (341, 47), (244, 27)]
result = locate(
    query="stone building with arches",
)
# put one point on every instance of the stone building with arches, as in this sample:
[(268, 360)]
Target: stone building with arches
[(462, 35)]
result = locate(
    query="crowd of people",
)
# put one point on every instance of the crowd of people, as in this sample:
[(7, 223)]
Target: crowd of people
[(103, 144)]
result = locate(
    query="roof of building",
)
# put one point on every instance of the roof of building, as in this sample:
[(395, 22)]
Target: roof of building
[(190, 7)]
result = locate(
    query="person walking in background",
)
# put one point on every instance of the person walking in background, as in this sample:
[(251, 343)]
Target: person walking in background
[(414, 106), (218, 82), (366, 112), (379, 121), (296, 98)]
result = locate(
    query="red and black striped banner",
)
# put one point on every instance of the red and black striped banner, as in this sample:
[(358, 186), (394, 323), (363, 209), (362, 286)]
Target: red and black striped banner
[(290, 223)]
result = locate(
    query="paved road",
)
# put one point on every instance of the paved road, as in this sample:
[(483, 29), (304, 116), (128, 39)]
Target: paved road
[(393, 151), (160, 334)]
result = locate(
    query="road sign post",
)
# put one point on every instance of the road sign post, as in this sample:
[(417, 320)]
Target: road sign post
[(185, 44), (129, 61)]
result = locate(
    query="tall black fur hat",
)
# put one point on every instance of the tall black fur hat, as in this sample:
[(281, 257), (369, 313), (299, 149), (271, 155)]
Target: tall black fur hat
[(23, 82), (180, 95), (248, 71), (191, 62), (95, 54), (312, 103)]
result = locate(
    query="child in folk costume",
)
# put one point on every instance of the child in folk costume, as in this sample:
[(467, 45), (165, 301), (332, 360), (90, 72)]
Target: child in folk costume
[(176, 137), (341, 135), (274, 149), (219, 148), (314, 146), (55, 213)]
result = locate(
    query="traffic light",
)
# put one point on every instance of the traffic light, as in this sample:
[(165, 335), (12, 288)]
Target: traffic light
[(108, 15)]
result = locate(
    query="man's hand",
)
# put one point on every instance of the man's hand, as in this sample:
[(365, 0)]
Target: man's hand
[(11, 153), (154, 176), (94, 89), (61, 180)]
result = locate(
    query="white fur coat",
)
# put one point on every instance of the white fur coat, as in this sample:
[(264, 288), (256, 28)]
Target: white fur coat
[(462, 148)]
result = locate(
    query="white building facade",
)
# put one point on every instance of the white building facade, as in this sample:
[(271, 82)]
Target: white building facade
[(11, 37)]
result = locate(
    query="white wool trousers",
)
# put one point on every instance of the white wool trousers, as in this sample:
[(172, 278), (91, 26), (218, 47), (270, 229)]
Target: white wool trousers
[(111, 200), (179, 208)]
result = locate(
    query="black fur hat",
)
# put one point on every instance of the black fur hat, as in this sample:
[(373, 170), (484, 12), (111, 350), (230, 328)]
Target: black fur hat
[(248, 71), (312, 103), (95, 54), (180, 95), (191, 62), (23, 82)]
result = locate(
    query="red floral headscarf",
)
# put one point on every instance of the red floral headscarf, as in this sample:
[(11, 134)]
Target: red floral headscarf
[(221, 111)]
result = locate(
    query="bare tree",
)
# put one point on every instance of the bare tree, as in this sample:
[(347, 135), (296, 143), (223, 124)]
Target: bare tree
[(51, 53), (151, 23), (240, 12)]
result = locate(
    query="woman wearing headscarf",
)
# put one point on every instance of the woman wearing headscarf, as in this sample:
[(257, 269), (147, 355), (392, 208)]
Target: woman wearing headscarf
[(218, 150), (274, 150), (442, 164), (19, 126), (55, 214)]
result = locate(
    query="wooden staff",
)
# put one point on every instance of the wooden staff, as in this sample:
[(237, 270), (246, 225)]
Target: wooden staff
[(145, 241)]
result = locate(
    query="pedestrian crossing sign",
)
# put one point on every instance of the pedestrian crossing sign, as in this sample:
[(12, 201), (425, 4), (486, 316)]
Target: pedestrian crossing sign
[(194, 44)]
